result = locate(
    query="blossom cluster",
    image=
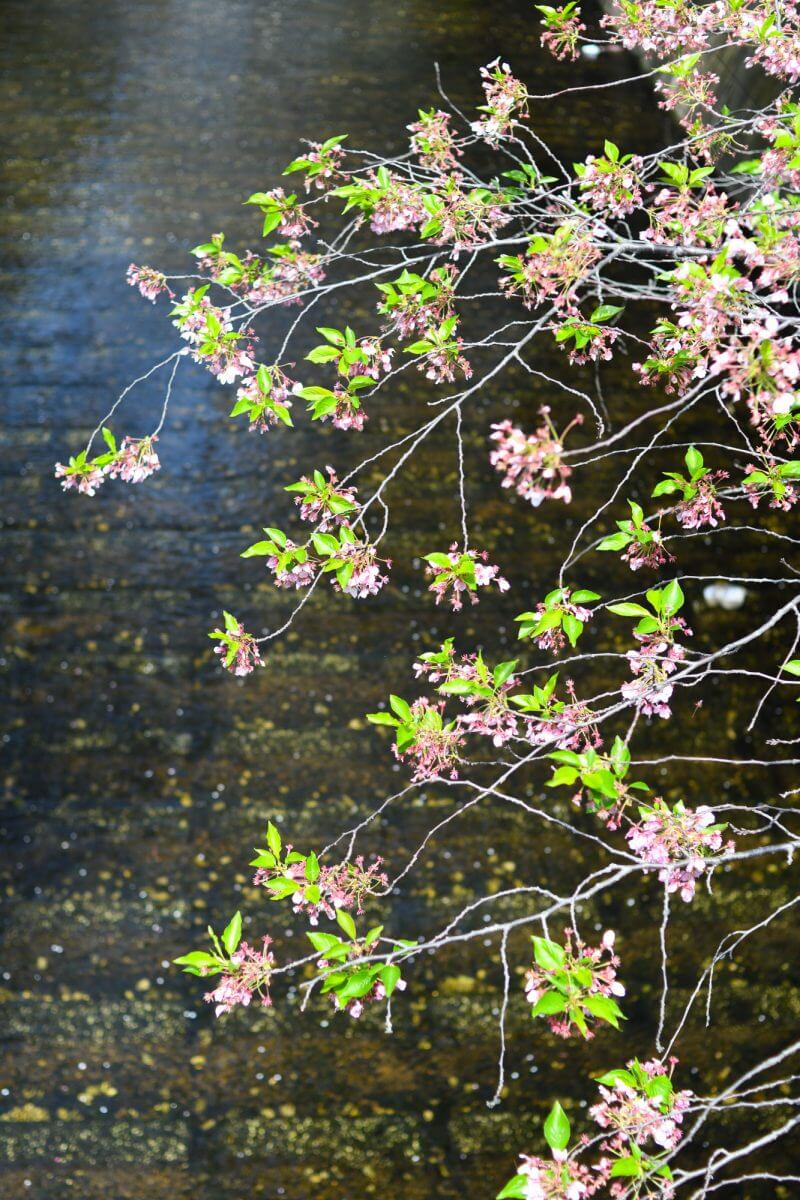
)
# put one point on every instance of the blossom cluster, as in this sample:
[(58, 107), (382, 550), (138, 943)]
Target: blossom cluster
[(681, 842), (282, 213), (559, 618), (321, 164), (574, 984), (415, 304), (316, 888), (237, 650), (464, 219), (431, 745), (559, 1178), (134, 461), (280, 278), (651, 665), (352, 987), (639, 1104), (562, 29), (265, 398), (642, 545), (533, 464), (538, 718), (246, 971), (459, 574), (484, 692), (506, 102), (150, 283), (433, 141), (552, 269), (611, 182), (248, 975), (226, 352), (324, 502), (352, 561)]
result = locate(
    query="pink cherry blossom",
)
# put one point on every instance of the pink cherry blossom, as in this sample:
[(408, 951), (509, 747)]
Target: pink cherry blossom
[(680, 842), (533, 464), (248, 976), (85, 482), (151, 283), (135, 460)]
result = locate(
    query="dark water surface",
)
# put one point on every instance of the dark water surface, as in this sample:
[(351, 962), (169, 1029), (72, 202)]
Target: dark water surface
[(136, 775)]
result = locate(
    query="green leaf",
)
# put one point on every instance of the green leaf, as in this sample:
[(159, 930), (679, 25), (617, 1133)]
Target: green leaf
[(694, 460), (232, 934), (620, 756), (312, 868), (667, 487), (793, 667), (564, 775), (660, 1088), (274, 839), (556, 1128), (655, 598), (346, 923), (548, 1004), (382, 718), (503, 672), (647, 625), (615, 541), (390, 977), (324, 942), (583, 596), (197, 958), (604, 312), (322, 354), (604, 1008), (357, 985), (572, 627), (325, 543), (404, 738), (549, 955), (602, 781), (277, 536), (548, 620), (628, 609), (628, 1167), (345, 574), (271, 221), (515, 1189), (566, 756), (637, 513), (672, 598), (401, 707), (618, 1075), (458, 687), (258, 549), (331, 335)]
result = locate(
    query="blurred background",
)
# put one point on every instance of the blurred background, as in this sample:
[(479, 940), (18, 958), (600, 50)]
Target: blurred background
[(136, 775)]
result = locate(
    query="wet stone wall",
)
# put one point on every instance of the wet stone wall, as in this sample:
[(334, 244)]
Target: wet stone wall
[(137, 777)]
